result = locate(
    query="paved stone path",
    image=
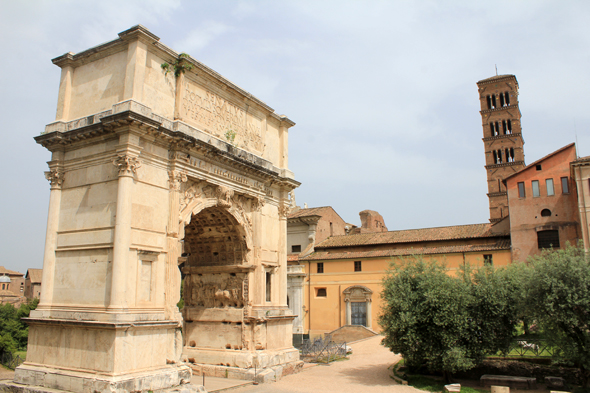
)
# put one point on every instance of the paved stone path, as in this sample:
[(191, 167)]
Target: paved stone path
[(367, 370)]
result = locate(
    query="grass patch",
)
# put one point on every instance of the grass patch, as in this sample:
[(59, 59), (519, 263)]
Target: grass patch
[(22, 354)]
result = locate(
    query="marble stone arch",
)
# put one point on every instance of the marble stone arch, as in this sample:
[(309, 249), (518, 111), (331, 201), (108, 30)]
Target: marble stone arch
[(194, 206), (358, 293)]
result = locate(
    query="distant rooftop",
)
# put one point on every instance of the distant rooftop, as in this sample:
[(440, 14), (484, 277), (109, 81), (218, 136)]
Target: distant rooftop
[(412, 235), (503, 244), (4, 270)]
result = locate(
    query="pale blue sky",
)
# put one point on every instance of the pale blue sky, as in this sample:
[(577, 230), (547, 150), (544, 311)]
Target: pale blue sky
[(383, 93)]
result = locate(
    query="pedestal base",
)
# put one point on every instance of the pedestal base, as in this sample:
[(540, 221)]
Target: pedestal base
[(28, 376), (240, 358), (270, 374)]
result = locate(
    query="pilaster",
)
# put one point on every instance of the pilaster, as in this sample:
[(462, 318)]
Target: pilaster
[(56, 176), (127, 164)]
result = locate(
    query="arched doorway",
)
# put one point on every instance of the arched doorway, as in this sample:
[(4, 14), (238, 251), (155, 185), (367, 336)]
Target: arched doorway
[(358, 300)]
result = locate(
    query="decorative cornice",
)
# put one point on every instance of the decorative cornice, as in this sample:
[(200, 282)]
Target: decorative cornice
[(484, 111), (503, 136), (505, 164), (497, 194), (126, 164), (496, 79)]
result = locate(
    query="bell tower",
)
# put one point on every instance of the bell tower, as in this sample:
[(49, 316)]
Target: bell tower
[(502, 137)]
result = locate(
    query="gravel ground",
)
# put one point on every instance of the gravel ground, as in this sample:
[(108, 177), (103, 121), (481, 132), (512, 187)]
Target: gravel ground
[(365, 371), (6, 373)]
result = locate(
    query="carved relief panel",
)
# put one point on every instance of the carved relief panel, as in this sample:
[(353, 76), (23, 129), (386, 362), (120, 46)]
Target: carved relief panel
[(221, 118), (216, 290)]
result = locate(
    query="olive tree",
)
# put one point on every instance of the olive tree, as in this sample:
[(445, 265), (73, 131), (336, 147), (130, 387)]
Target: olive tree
[(443, 322), (559, 298)]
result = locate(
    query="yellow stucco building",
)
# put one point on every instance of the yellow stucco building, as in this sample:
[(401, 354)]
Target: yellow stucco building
[(344, 274)]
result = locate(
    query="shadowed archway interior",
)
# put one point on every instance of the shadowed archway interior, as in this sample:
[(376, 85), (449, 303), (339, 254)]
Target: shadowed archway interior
[(214, 238)]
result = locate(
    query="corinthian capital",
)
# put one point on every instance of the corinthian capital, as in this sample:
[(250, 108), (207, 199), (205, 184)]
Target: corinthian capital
[(55, 177), (127, 165), (176, 178), (284, 210)]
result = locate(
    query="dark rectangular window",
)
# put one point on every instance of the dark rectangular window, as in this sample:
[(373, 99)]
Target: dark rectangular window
[(268, 278), (536, 190), (358, 266), (550, 188), (487, 259), (565, 187), (548, 239), (320, 267), (321, 292), (296, 248), (521, 193)]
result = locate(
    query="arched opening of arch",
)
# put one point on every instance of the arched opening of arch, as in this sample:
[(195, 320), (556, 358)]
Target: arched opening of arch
[(214, 238), (215, 253)]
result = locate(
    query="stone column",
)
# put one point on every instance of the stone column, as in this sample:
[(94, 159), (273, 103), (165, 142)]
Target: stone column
[(56, 178), (176, 178), (255, 297), (369, 320), (127, 164), (284, 210), (348, 311)]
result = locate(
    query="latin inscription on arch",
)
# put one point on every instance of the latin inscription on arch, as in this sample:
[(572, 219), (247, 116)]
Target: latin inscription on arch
[(217, 116)]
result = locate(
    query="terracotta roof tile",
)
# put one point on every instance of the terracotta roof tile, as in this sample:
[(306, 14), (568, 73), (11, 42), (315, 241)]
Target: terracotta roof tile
[(312, 211), (411, 235), (292, 257), (35, 275), (324, 255), (3, 270)]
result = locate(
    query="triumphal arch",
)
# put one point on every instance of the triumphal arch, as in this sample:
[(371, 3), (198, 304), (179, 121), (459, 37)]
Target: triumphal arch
[(160, 162)]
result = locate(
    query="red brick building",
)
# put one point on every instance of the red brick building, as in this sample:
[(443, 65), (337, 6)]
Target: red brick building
[(543, 205)]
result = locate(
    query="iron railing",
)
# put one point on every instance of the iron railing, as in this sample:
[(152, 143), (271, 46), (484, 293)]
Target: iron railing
[(530, 348), (322, 350), (11, 361)]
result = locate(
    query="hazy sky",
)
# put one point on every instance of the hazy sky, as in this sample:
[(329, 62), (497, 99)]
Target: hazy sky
[(383, 93)]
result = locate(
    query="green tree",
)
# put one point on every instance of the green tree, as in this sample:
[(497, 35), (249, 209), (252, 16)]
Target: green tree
[(14, 332), (559, 295), (445, 323)]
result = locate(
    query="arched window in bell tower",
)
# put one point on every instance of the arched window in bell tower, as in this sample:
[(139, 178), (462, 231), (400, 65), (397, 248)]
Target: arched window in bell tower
[(493, 101), (507, 98), (489, 99)]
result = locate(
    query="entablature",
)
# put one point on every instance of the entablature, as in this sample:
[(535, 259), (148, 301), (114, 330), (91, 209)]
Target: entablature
[(180, 138)]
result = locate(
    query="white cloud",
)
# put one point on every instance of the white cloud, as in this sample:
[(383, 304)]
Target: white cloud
[(200, 37)]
